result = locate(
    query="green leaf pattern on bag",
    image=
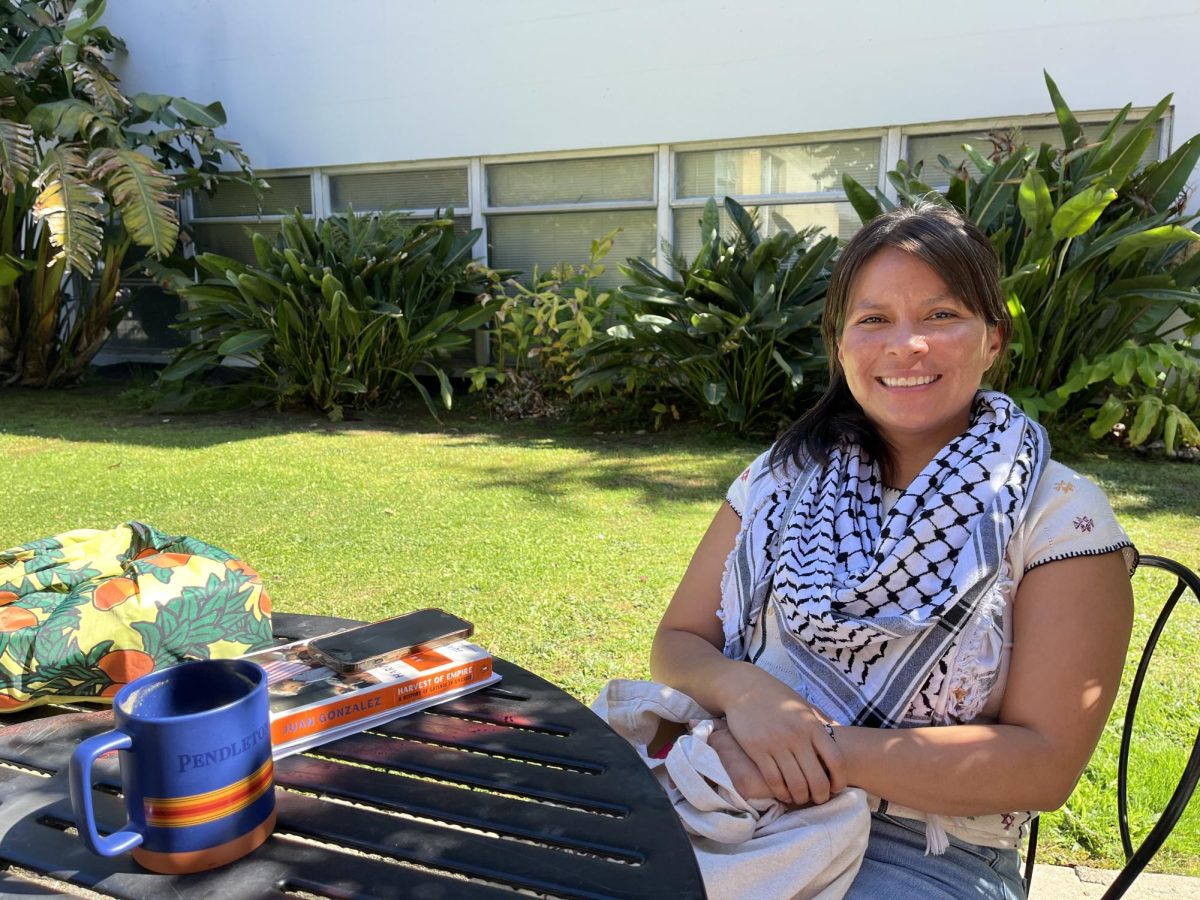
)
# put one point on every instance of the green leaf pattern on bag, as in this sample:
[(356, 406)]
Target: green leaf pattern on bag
[(85, 612)]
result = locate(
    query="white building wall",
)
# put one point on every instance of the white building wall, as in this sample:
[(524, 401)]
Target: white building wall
[(310, 83)]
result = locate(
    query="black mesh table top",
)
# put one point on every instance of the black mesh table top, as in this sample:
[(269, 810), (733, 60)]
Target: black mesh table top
[(516, 790)]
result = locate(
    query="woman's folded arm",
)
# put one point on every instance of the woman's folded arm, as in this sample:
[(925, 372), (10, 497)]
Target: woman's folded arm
[(783, 735)]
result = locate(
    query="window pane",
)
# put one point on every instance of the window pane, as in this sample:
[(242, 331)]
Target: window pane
[(926, 147), (792, 169), (231, 239), (147, 324), (612, 178), (416, 189), (547, 239), (286, 193), (462, 224), (835, 218)]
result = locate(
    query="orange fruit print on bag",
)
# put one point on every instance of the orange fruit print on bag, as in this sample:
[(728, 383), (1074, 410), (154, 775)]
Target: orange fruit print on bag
[(85, 612)]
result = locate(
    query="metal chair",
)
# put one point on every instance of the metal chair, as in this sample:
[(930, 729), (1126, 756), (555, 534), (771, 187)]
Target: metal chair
[(1135, 860)]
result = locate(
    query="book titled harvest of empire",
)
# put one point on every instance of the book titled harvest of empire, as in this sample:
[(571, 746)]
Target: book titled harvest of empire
[(311, 704)]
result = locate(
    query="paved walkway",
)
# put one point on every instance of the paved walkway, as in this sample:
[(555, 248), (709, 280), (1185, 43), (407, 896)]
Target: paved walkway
[(1066, 883)]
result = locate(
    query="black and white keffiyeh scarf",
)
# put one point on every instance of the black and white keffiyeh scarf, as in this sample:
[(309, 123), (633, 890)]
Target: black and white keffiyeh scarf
[(871, 606)]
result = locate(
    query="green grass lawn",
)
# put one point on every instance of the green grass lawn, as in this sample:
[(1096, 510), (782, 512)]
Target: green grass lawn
[(561, 544)]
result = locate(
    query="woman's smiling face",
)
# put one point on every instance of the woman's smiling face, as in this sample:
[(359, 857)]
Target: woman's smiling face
[(913, 353)]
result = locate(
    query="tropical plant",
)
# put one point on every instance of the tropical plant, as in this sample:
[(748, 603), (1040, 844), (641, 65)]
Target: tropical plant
[(341, 312), (1157, 384), (1094, 254), (537, 332), (84, 171), (736, 331)]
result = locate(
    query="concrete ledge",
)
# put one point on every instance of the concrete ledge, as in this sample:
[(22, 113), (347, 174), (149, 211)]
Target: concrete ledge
[(1077, 883)]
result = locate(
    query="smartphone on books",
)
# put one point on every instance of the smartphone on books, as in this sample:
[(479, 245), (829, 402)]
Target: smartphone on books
[(372, 645)]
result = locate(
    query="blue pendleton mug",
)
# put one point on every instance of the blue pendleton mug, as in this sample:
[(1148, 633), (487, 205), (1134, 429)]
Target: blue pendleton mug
[(195, 754)]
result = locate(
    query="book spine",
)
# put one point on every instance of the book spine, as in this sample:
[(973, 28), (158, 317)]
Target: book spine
[(367, 704)]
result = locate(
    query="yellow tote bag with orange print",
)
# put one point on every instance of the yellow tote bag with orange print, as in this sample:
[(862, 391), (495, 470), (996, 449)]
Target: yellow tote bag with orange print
[(85, 612)]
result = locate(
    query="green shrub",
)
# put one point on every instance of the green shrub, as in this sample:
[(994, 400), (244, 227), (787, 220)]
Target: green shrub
[(737, 331), (341, 312), (537, 331), (1095, 257)]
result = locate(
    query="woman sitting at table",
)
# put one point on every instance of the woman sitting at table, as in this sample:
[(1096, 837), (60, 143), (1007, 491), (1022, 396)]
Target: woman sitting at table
[(906, 594)]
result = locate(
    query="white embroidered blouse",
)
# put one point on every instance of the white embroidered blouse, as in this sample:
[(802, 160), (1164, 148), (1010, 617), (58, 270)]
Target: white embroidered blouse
[(1068, 517)]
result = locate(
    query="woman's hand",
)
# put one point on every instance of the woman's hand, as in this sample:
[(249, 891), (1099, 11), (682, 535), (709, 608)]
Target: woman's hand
[(785, 738), (782, 735), (744, 774)]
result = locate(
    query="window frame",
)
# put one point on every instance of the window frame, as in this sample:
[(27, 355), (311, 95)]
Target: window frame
[(795, 198), (893, 144), (655, 203), (329, 172), (765, 143), (1037, 120), (312, 175), (190, 219), (571, 156)]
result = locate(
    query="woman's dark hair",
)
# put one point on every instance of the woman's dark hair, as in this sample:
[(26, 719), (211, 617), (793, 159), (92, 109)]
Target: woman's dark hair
[(958, 252)]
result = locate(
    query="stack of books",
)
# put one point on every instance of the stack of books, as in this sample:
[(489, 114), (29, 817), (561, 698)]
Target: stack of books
[(312, 704)]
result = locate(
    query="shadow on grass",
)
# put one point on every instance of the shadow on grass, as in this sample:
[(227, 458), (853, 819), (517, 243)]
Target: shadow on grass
[(612, 461), (615, 469), (644, 463), (1144, 486)]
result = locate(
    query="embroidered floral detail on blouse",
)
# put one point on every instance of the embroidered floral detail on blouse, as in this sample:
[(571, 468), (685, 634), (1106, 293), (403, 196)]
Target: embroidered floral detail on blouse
[(1083, 523), (745, 474), (976, 665), (1007, 820), (1064, 487)]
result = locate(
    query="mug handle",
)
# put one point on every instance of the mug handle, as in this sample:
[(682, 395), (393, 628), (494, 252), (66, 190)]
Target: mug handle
[(81, 794)]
